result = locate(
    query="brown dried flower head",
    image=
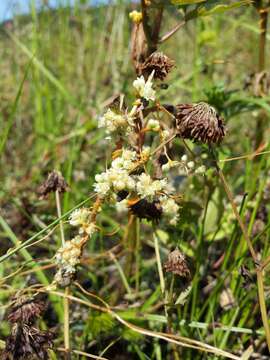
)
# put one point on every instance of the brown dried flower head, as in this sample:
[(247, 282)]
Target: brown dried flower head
[(25, 310), (26, 342), (144, 209), (159, 62), (54, 181), (176, 263), (199, 122), (138, 46)]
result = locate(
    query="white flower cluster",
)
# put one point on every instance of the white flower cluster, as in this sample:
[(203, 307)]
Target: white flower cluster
[(144, 88), (170, 208), (113, 121), (116, 178), (147, 187), (186, 166), (80, 218), (190, 166), (67, 257), (69, 254)]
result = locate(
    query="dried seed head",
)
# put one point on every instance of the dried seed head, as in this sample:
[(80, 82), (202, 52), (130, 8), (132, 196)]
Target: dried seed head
[(199, 122), (159, 62), (138, 46), (25, 310), (176, 263), (54, 181), (144, 209), (26, 342)]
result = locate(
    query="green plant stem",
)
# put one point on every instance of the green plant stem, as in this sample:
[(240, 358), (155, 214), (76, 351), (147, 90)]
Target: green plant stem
[(67, 290), (263, 13), (121, 273), (263, 306), (237, 215), (59, 214), (138, 248), (130, 243), (159, 265)]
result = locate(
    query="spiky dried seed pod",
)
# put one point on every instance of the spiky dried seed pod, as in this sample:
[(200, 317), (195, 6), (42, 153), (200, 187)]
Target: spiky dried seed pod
[(25, 310), (144, 209), (55, 181), (199, 122), (159, 62), (177, 264), (27, 342)]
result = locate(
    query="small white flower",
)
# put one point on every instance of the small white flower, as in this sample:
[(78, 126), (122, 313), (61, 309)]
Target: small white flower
[(79, 217), (113, 121), (102, 184), (174, 220), (200, 170), (114, 179), (122, 206), (144, 89), (191, 164), (146, 152), (146, 187), (170, 164), (184, 158), (165, 134), (166, 167), (89, 229), (170, 208), (128, 154), (70, 252), (125, 161), (153, 125)]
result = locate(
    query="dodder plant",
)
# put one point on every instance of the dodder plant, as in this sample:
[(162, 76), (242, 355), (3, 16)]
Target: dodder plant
[(138, 180)]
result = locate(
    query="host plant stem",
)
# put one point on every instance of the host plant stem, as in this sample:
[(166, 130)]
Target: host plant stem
[(65, 300)]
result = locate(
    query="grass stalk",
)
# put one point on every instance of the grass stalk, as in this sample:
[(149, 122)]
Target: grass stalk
[(259, 273), (263, 13), (67, 290), (159, 264), (263, 306), (138, 248)]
